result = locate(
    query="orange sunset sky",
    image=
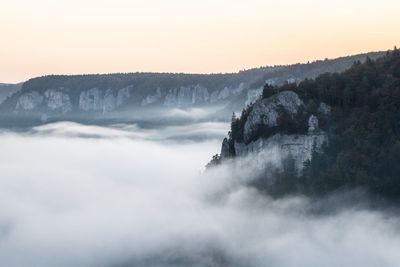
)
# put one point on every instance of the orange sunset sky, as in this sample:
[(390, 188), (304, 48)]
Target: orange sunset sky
[(41, 37)]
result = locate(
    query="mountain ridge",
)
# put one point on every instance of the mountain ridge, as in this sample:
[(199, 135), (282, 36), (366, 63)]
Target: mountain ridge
[(339, 130), (63, 97)]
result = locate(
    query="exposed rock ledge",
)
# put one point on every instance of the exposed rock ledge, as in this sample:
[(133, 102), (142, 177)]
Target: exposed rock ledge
[(29, 101), (266, 112), (58, 100), (298, 147), (96, 100)]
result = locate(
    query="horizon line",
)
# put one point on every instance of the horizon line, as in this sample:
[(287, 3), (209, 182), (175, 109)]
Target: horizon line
[(198, 73)]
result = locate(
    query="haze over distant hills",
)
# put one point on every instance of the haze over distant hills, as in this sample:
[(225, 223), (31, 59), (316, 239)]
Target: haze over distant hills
[(106, 98), (6, 90)]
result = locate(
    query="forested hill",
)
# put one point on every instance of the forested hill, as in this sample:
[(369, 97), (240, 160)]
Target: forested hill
[(355, 113), (102, 96), (7, 90)]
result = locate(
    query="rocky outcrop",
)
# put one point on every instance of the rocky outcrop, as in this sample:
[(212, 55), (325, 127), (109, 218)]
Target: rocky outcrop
[(226, 93), (265, 112), (225, 149), (57, 100), (95, 100), (171, 99), (186, 96), (102, 93), (298, 147), (313, 124), (123, 94), (151, 99), (200, 95), (29, 101), (110, 101), (91, 100)]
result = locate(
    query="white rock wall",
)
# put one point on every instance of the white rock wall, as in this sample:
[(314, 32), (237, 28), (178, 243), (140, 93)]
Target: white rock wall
[(186, 96), (29, 101), (95, 100), (91, 100), (57, 100), (299, 147), (150, 99)]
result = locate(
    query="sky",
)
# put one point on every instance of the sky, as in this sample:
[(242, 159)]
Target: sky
[(40, 37)]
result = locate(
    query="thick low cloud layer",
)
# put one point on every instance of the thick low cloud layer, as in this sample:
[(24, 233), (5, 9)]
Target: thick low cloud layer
[(182, 133), (123, 199)]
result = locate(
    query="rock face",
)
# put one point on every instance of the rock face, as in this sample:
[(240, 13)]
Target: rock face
[(225, 149), (91, 100), (312, 124), (230, 92), (186, 96), (29, 101), (97, 101), (299, 147), (266, 111), (123, 94), (110, 101), (200, 95), (227, 93), (151, 99), (57, 100)]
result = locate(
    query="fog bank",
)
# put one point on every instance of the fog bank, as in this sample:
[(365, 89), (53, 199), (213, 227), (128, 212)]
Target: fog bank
[(129, 197)]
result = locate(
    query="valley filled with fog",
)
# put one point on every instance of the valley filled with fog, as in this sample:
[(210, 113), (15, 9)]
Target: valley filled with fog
[(79, 195), (199, 133)]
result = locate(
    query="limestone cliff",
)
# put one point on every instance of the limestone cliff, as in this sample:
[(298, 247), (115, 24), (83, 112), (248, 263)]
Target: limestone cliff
[(57, 100), (61, 97), (29, 101), (96, 100), (266, 114)]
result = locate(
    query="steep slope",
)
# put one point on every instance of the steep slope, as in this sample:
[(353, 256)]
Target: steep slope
[(6, 90), (335, 131), (280, 121)]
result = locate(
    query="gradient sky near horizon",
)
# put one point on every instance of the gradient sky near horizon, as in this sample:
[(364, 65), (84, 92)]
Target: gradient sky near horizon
[(41, 37)]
